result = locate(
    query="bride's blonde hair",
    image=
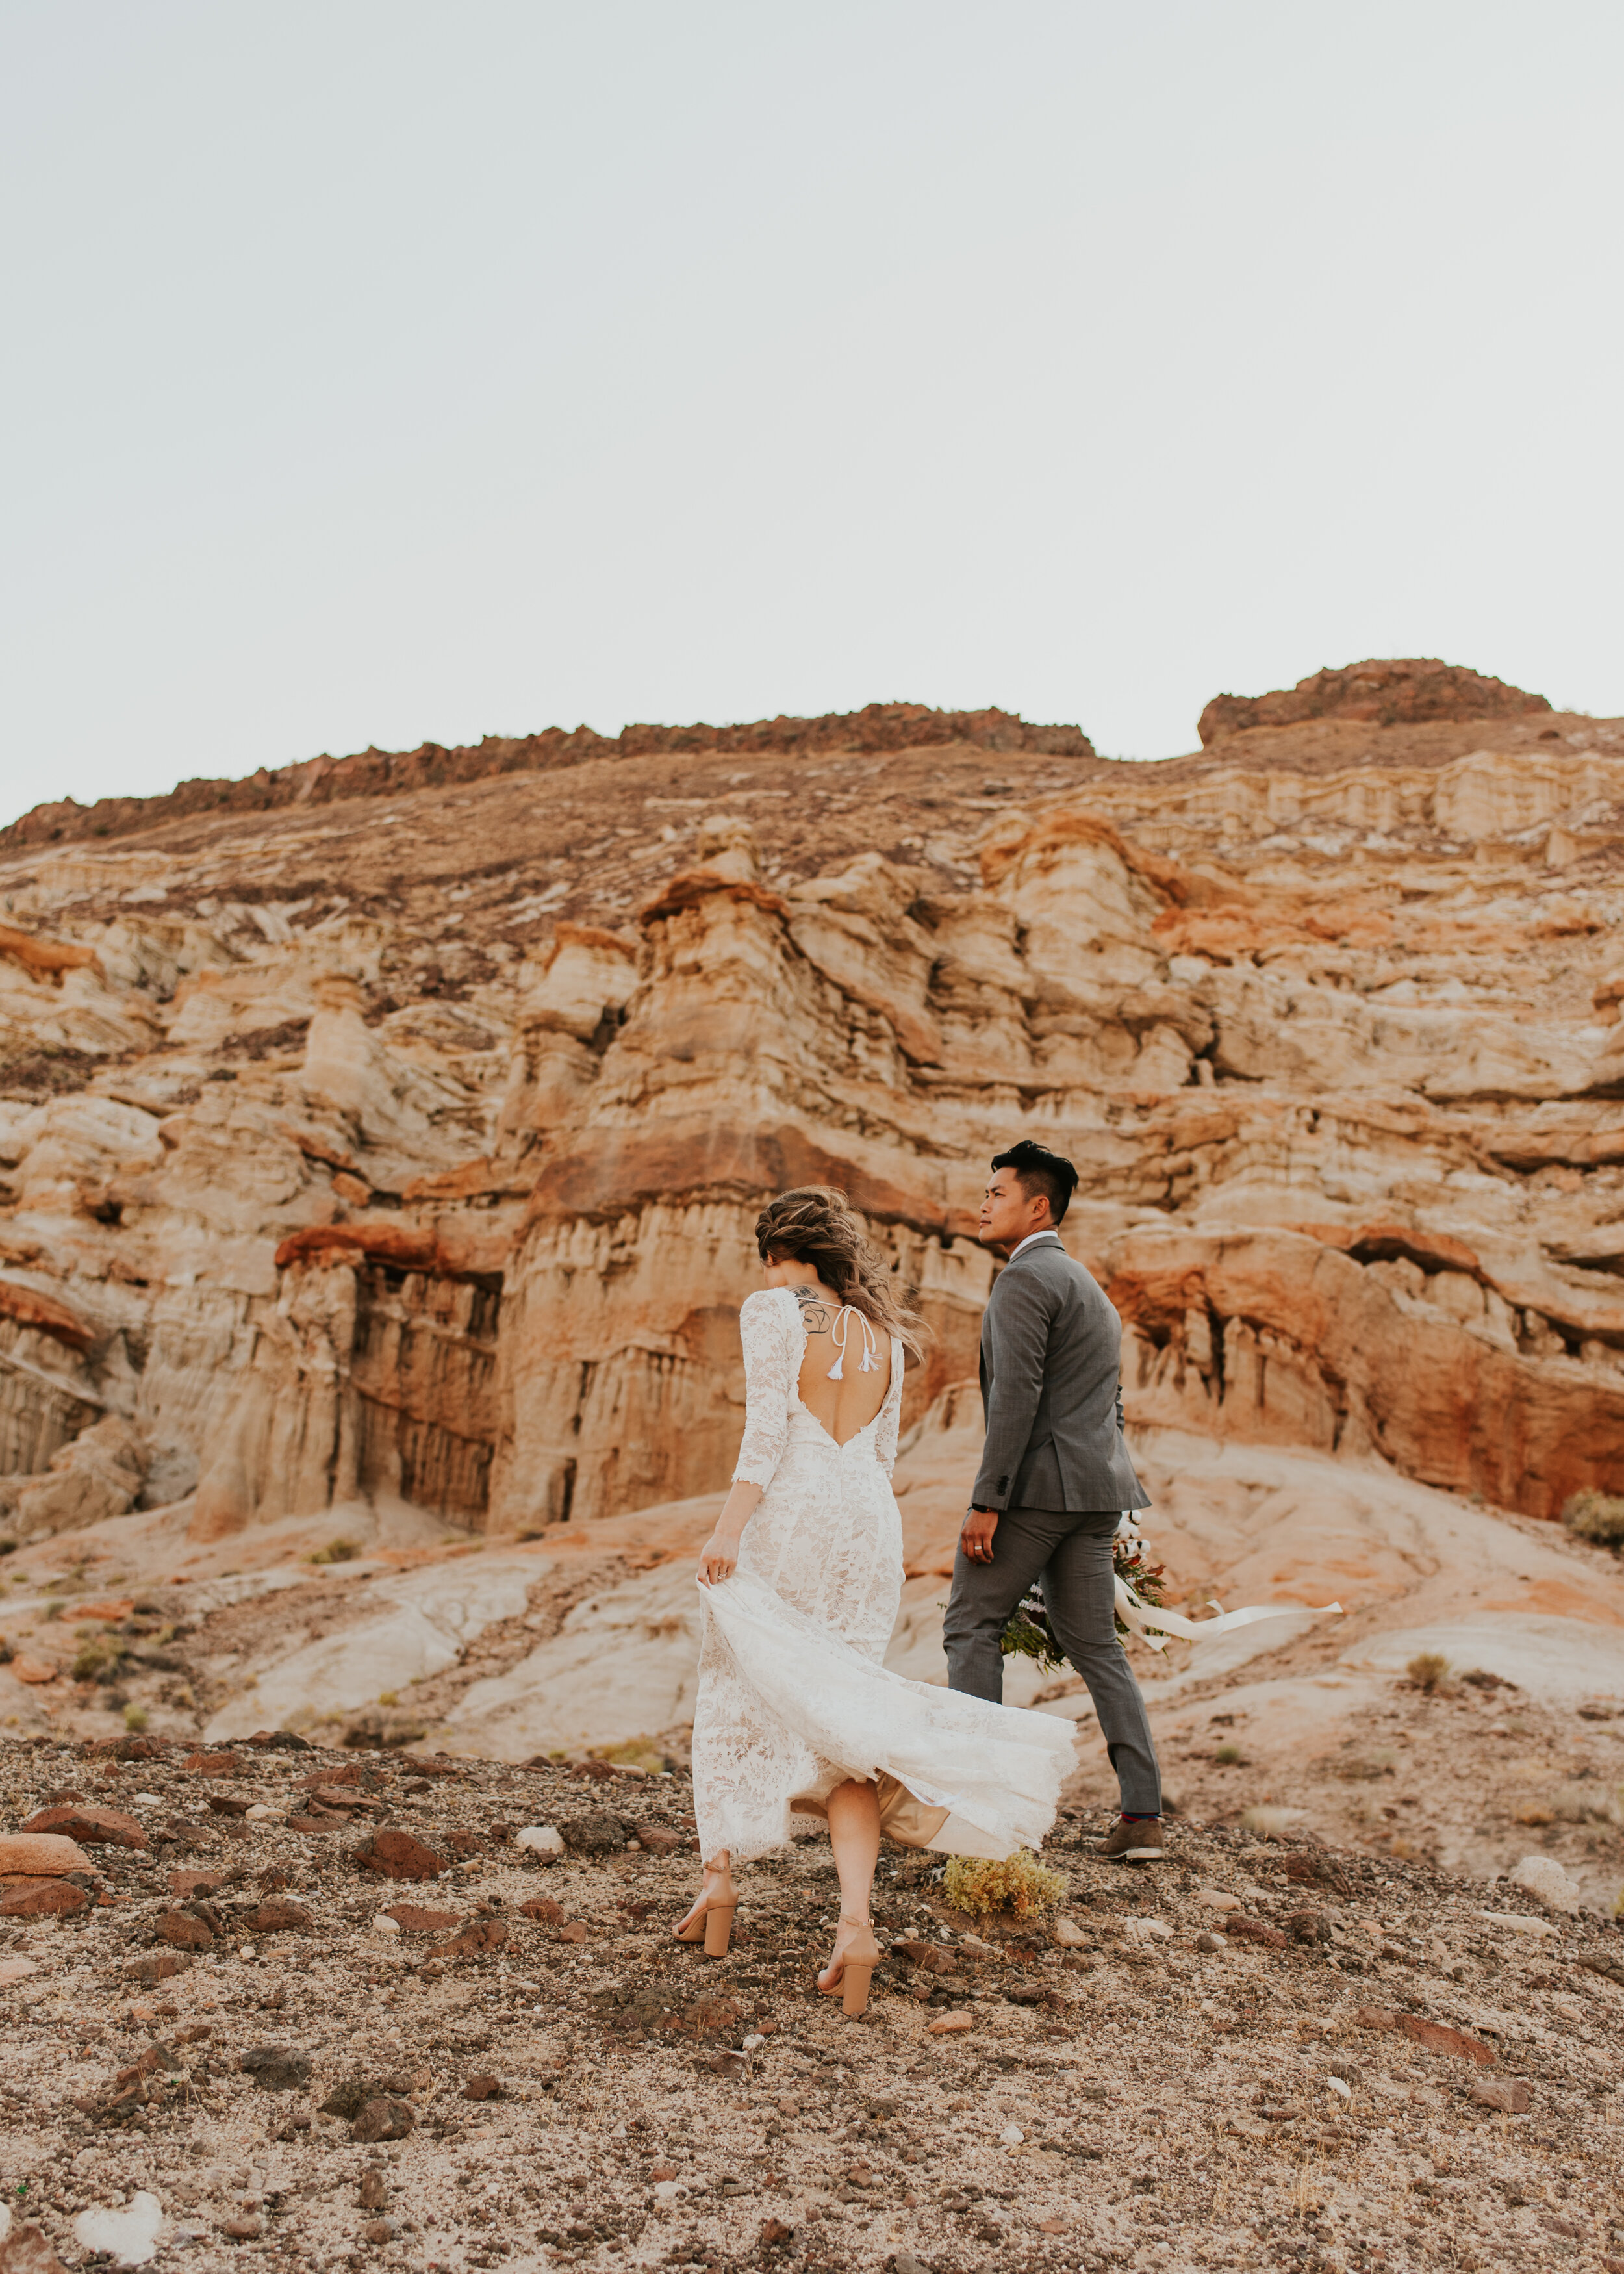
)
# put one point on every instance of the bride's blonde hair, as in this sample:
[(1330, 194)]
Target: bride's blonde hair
[(816, 1225)]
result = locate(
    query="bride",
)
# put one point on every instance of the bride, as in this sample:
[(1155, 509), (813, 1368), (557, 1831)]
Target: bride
[(803, 1577)]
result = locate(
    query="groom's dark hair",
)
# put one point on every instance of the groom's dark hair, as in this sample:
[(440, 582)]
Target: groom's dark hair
[(1036, 1170)]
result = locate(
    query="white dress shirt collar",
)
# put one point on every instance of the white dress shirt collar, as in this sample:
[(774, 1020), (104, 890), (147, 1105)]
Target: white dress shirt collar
[(1030, 1238)]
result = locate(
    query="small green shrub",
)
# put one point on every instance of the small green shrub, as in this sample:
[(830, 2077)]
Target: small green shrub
[(336, 1551), (1020, 1885), (100, 1658), (135, 1718), (1229, 1757), (1597, 1516), (1429, 1670), (637, 1753), (1586, 1803), (1365, 1768)]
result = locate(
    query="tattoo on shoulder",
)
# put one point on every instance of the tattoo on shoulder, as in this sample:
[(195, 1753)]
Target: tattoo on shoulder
[(815, 1309)]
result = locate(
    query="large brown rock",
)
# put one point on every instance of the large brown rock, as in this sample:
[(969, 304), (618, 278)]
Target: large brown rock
[(384, 2119), (40, 1854), (395, 1854), (92, 1826), (279, 1915), (40, 1898), (184, 1932), (479, 1940)]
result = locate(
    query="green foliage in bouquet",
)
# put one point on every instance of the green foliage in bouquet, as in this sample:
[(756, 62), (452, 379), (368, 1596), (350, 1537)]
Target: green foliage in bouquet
[(1028, 1635)]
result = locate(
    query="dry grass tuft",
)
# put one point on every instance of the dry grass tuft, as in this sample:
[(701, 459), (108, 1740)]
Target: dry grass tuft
[(336, 1551), (1271, 1823), (1585, 1802), (1429, 1670), (1597, 1516), (1020, 1886)]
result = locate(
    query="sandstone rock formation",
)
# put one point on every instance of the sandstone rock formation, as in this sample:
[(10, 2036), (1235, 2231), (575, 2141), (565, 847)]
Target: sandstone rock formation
[(404, 1147)]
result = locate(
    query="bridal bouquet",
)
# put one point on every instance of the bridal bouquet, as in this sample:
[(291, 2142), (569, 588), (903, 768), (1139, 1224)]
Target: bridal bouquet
[(1028, 1635)]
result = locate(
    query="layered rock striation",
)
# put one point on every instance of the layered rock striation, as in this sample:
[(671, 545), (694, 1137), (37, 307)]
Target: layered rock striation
[(400, 1143)]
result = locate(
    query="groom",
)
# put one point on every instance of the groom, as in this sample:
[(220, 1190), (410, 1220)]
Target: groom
[(1055, 1476)]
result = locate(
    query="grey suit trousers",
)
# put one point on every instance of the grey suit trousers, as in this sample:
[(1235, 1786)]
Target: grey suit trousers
[(1073, 1553)]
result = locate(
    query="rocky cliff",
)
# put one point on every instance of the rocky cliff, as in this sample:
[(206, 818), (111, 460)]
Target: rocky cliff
[(407, 1143)]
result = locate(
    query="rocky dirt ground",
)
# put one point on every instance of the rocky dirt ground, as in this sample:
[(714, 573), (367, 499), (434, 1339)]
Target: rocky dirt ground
[(585, 1639), (315, 2009)]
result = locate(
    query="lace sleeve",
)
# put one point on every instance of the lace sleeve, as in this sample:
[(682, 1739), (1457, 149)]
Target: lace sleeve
[(891, 1413), (771, 1369)]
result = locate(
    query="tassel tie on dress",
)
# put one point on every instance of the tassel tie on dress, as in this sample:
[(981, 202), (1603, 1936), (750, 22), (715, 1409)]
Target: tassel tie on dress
[(870, 1363)]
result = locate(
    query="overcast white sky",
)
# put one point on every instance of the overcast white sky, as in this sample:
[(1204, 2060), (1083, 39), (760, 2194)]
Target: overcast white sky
[(377, 370)]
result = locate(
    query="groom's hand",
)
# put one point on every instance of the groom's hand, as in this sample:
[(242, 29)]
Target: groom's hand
[(976, 1537)]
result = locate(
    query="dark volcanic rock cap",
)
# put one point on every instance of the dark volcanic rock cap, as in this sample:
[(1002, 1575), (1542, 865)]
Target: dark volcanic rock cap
[(1405, 691)]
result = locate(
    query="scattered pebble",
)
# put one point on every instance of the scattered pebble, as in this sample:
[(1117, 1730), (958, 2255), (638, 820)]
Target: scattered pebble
[(542, 1840), (1545, 1880), (129, 2237)]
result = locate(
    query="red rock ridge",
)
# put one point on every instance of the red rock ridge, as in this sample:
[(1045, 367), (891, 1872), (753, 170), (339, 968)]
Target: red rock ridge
[(1402, 691)]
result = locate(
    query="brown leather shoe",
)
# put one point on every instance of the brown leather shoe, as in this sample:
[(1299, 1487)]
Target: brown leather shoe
[(1134, 1843)]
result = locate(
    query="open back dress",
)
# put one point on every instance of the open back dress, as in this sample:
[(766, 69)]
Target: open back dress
[(794, 1697)]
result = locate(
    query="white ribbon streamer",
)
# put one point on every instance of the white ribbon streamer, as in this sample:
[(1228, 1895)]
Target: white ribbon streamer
[(1143, 1617)]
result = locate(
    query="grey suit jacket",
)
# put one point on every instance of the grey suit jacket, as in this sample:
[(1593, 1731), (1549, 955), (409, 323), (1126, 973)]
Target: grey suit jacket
[(1051, 1349)]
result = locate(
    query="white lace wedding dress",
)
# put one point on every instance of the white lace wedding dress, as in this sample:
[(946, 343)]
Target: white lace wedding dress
[(792, 1697)]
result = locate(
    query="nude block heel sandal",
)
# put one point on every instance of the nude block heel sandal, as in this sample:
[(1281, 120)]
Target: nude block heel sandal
[(712, 1927), (857, 1967)]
